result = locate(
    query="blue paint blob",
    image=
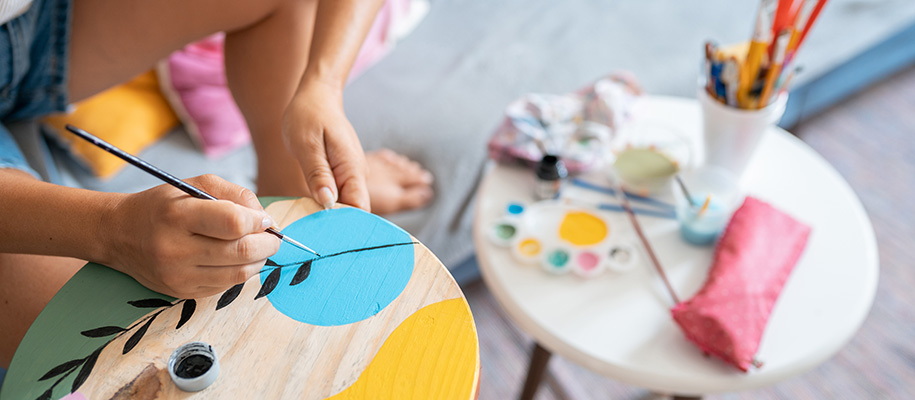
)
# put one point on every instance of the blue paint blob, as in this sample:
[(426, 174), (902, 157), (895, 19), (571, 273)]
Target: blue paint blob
[(341, 288), (515, 208)]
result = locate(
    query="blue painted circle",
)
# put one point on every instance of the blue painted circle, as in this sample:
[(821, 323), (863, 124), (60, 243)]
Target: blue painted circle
[(515, 208), (344, 286)]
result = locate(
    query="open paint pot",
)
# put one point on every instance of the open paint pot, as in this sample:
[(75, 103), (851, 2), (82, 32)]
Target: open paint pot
[(558, 260), (527, 249), (621, 257), (588, 263), (193, 366), (504, 231)]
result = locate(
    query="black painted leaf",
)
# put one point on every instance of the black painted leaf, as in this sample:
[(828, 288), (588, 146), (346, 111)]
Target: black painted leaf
[(229, 296), (46, 395), (65, 367), (86, 369), (187, 310), (150, 303), (301, 274), (135, 338), (270, 263), (269, 283), (103, 331)]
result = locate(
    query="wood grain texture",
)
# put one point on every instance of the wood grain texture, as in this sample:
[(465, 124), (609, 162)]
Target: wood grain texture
[(265, 354)]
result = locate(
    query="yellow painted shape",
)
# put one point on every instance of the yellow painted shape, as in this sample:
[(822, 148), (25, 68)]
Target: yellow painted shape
[(582, 229), (432, 355), (529, 247)]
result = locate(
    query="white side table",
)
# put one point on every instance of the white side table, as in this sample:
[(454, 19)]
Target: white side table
[(619, 324)]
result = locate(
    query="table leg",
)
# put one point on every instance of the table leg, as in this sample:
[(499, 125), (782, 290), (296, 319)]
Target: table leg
[(539, 358)]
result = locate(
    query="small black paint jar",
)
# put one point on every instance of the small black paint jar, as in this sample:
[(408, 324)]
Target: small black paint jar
[(550, 173), (193, 366)]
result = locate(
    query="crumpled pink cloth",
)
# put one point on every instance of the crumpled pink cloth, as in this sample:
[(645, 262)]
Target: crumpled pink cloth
[(576, 126), (753, 260)]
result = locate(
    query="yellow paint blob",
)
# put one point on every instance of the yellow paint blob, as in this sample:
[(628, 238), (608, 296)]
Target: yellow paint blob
[(433, 354), (582, 229), (529, 247)]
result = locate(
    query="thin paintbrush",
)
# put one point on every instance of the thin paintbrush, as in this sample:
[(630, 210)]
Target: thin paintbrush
[(168, 178), (638, 230)]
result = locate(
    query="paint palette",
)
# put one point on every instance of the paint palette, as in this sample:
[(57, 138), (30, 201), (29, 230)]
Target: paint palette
[(563, 239)]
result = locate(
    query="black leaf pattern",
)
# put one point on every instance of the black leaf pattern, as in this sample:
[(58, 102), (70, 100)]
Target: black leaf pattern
[(187, 310), (229, 296), (150, 303), (301, 274), (135, 338), (65, 367), (269, 283), (102, 332), (271, 263), (46, 395), (86, 369)]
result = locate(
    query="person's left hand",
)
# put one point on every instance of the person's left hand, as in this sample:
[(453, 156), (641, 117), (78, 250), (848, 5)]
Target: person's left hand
[(324, 142)]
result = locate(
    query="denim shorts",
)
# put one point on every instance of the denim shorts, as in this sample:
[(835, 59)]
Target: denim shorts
[(33, 72)]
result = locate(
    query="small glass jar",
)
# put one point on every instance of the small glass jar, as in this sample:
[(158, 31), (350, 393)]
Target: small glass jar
[(550, 172)]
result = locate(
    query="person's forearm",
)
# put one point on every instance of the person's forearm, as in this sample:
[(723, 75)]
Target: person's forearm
[(340, 29), (41, 218)]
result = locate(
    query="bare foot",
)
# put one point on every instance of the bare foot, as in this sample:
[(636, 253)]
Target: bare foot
[(396, 183)]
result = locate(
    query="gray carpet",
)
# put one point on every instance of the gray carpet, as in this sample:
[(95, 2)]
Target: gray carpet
[(868, 139)]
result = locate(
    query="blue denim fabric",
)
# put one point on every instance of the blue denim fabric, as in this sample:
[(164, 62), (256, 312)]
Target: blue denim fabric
[(33, 71)]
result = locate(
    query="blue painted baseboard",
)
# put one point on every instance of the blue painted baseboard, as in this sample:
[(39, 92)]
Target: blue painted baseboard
[(892, 55)]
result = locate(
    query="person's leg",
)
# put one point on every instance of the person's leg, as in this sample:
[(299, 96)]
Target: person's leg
[(28, 284)]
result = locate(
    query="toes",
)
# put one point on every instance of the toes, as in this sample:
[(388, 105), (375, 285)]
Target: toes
[(416, 197)]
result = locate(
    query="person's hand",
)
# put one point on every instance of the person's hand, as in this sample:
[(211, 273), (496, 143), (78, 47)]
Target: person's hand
[(187, 247), (320, 137)]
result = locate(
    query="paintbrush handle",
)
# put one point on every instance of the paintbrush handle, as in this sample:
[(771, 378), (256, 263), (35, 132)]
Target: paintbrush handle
[(145, 166)]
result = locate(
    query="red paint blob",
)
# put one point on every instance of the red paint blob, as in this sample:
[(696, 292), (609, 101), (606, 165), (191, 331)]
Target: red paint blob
[(587, 260)]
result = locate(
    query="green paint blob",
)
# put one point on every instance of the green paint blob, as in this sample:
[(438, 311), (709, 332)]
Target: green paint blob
[(638, 164), (559, 258), (505, 231)]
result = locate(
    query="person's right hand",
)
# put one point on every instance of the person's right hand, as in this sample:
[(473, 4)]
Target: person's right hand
[(186, 247)]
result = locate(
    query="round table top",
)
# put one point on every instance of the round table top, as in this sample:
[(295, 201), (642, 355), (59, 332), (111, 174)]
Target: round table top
[(619, 324)]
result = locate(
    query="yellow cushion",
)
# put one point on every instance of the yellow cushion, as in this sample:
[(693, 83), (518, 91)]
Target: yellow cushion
[(130, 116)]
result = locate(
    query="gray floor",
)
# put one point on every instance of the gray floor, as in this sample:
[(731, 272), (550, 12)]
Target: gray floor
[(869, 139)]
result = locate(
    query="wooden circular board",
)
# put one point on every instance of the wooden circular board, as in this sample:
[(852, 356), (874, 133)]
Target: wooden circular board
[(375, 316)]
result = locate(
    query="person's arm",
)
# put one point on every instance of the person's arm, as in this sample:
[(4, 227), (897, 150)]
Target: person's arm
[(168, 241), (314, 124)]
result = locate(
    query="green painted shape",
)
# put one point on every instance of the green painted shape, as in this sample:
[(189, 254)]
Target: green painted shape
[(96, 296), (266, 201), (644, 163)]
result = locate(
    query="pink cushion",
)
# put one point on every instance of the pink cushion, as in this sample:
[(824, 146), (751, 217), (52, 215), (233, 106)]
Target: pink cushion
[(752, 262), (193, 80)]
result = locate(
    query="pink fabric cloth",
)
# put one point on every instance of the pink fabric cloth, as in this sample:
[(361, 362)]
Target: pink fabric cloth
[(193, 79), (753, 260)]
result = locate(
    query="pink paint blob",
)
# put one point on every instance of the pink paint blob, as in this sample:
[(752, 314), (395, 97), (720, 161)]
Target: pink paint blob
[(74, 396), (587, 260)]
